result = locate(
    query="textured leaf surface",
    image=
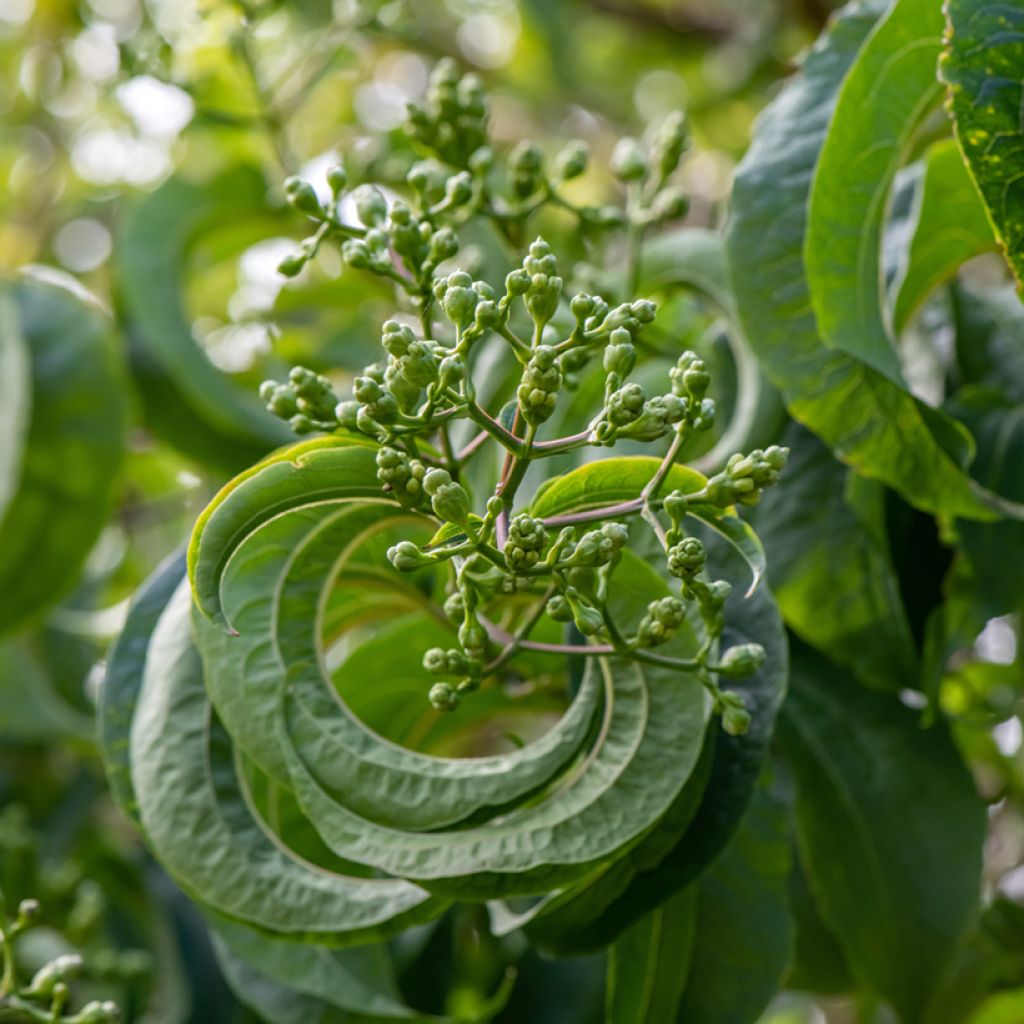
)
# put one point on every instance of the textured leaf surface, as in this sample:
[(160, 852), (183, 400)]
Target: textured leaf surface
[(870, 422), (194, 812), (887, 816), (984, 68), (71, 452)]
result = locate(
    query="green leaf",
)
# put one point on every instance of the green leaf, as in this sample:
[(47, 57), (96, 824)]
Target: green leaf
[(890, 829), (194, 811), (609, 481), (888, 91), (1004, 1008), (998, 429), (31, 708), (72, 451), (647, 966), (119, 692), (744, 930), (831, 572), (950, 228), (16, 373), (870, 423), (271, 592), (359, 981), (297, 475), (186, 399), (983, 65), (991, 958), (588, 917), (264, 558)]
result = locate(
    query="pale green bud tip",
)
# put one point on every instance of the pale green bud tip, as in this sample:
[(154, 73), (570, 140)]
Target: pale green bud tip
[(27, 909), (444, 697), (628, 162), (741, 660), (371, 206), (337, 179)]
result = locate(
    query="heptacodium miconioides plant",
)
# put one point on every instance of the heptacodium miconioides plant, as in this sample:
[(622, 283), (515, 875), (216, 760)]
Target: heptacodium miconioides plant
[(618, 575)]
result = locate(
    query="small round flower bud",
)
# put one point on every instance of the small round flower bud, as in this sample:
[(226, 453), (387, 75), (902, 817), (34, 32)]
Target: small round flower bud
[(619, 354), (371, 206), (337, 179), (628, 162), (473, 638), (686, 558), (736, 721), (669, 144), (407, 557), (292, 266), (558, 608), (672, 204), (356, 253), (444, 244), (444, 697), (454, 607), (741, 660), (302, 196), (572, 160)]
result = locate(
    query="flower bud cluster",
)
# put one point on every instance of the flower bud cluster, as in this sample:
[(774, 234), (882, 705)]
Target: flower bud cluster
[(452, 120), (306, 401), (746, 477)]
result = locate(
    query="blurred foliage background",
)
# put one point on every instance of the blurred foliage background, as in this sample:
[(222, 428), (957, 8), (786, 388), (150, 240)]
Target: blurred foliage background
[(143, 148)]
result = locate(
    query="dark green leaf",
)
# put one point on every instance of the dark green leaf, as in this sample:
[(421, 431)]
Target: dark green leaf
[(187, 400), (869, 422), (648, 964), (71, 453), (744, 931), (890, 829), (984, 68), (831, 571)]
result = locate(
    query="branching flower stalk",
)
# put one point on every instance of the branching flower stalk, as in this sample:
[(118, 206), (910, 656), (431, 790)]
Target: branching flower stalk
[(44, 998), (424, 382)]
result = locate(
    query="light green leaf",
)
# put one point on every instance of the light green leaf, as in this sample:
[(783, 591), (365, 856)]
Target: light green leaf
[(72, 452), (983, 65), (605, 482), (950, 228), (647, 966), (870, 422), (890, 829), (1004, 1008), (889, 89)]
